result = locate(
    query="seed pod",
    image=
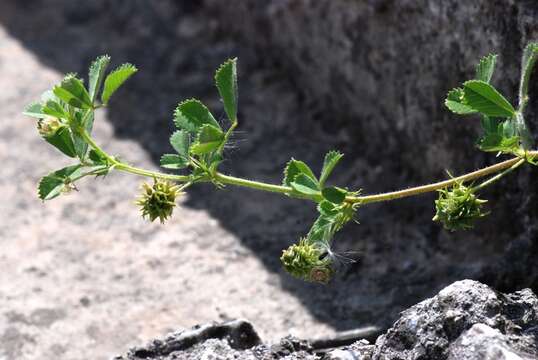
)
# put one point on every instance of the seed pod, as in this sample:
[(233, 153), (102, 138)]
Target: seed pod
[(158, 200), (304, 261), (457, 208)]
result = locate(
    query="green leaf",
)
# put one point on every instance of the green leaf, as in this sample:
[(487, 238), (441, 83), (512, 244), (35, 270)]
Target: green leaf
[(96, 158), (226, 81), (327, 208), (34, 110), (191, 115), (57, 182), (209, 139), (84, 119), (72, 91), (173, 161), (97, 75), (334, 194), (331, 159), (489, 124), (494, 142), (530, 55), (62, 140), (294, 168), (499, 136), (53, 108), (321, 229), (306, 185), (116, 79), (485, 68), (454, 102), (485, 99), (180, 141)]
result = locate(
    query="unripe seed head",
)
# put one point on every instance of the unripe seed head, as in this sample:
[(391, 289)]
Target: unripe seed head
[(158, 200)]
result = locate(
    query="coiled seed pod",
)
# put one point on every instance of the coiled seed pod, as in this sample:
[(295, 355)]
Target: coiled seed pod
[(457, 208), (304, 261), (158, 200)]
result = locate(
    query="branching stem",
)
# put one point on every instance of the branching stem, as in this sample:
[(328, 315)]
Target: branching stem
[(507, 166)]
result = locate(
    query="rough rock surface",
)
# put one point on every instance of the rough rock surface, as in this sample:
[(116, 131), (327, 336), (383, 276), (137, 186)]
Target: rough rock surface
[(376, 73), (465, 321)]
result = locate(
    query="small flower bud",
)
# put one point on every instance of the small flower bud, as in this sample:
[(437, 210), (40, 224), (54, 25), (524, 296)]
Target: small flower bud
[(48, 126), (158, 200), (457, 208), (304, 261)]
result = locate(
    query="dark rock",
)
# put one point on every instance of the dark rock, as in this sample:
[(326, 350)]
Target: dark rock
[(465, 321), (444, 326), (236, 335)]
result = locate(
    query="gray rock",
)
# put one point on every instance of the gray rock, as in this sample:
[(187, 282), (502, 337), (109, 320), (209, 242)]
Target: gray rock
[(465, 321), (433, 328), (482, 342)]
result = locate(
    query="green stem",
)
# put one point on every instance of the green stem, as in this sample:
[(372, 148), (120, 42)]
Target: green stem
[(499, 176), (441, 184), (508, 165), (128, 168)]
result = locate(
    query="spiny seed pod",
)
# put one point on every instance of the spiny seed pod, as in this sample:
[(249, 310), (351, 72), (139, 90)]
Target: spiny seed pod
[(158, 200), (457, 208), (48, 126), (304, 261)]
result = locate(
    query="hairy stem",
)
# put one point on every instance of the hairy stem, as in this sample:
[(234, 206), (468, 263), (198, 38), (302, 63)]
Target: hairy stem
[(441, 184), (507, 165), (499, 175), (118, 165)]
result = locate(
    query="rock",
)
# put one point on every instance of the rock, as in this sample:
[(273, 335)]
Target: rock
[(375, 73), (233, 335), (442, 326), (482, 342), (465, 321)]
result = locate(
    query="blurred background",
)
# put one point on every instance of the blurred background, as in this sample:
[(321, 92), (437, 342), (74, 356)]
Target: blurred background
[(85, 277)]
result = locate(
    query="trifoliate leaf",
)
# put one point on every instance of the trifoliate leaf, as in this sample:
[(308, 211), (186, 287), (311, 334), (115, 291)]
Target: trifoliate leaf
[(57, 182), (485, 68), (209, 139), (294, 168), (62, 140), (115, 79), (334, 194), (485, 99), (97, 75), (306, 185), (180, 141), (191, 115), (72, 91), (530, 55), (174, 161), (454, 102), (226, 81), (331, 159), (34, 110)]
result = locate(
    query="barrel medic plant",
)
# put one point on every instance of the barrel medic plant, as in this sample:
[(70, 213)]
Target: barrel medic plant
[(65, 117)]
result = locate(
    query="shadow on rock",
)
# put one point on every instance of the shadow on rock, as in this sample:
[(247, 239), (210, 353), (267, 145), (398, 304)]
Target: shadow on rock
[(177, 45)]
